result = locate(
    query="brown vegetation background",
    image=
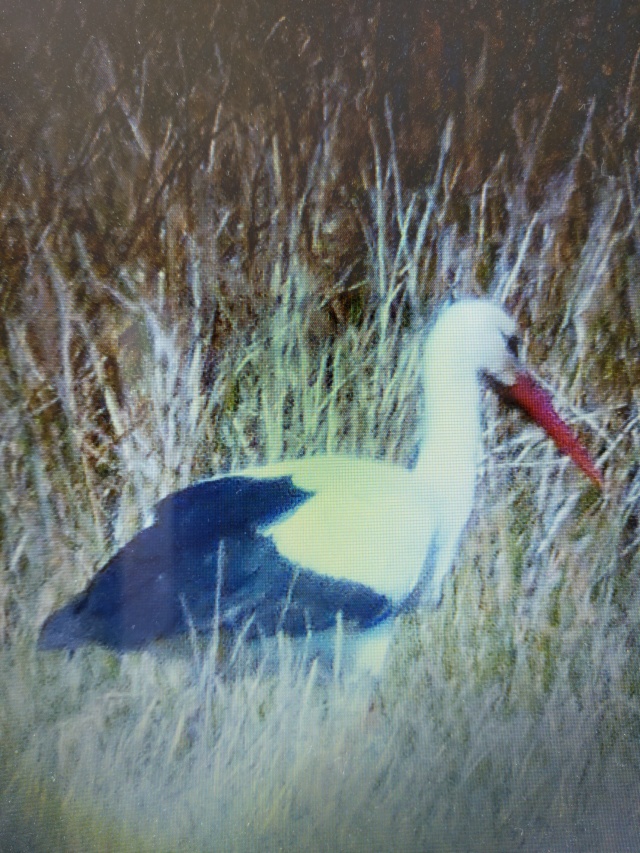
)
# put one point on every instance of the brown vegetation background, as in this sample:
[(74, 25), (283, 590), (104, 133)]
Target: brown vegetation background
[(223, 230)]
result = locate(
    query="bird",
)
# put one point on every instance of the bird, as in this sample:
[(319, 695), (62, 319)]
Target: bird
[(300, 547)]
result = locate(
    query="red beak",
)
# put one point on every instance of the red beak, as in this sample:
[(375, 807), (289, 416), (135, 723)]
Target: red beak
[(536, 402)]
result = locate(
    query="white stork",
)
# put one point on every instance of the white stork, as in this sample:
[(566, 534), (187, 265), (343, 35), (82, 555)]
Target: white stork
[(307, 540)]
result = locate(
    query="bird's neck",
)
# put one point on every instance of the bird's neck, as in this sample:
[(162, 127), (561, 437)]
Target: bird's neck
[(452, 438)]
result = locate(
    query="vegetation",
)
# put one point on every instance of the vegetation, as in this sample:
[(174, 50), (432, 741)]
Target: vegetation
[(221, 238)]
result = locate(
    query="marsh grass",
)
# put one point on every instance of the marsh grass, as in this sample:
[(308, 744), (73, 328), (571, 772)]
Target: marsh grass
[(270, 303)]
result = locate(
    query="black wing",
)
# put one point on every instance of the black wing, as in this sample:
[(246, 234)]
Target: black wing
[(168, 570)]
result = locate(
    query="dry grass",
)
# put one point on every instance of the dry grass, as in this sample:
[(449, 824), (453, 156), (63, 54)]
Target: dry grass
[(269, 303)]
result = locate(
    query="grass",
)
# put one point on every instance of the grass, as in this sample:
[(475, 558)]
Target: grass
[(269, 302)]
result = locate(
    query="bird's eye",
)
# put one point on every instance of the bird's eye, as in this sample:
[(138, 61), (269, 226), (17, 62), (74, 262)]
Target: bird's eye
[(513, 345)]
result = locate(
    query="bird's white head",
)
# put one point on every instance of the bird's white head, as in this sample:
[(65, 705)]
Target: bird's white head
[(474, 341)]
